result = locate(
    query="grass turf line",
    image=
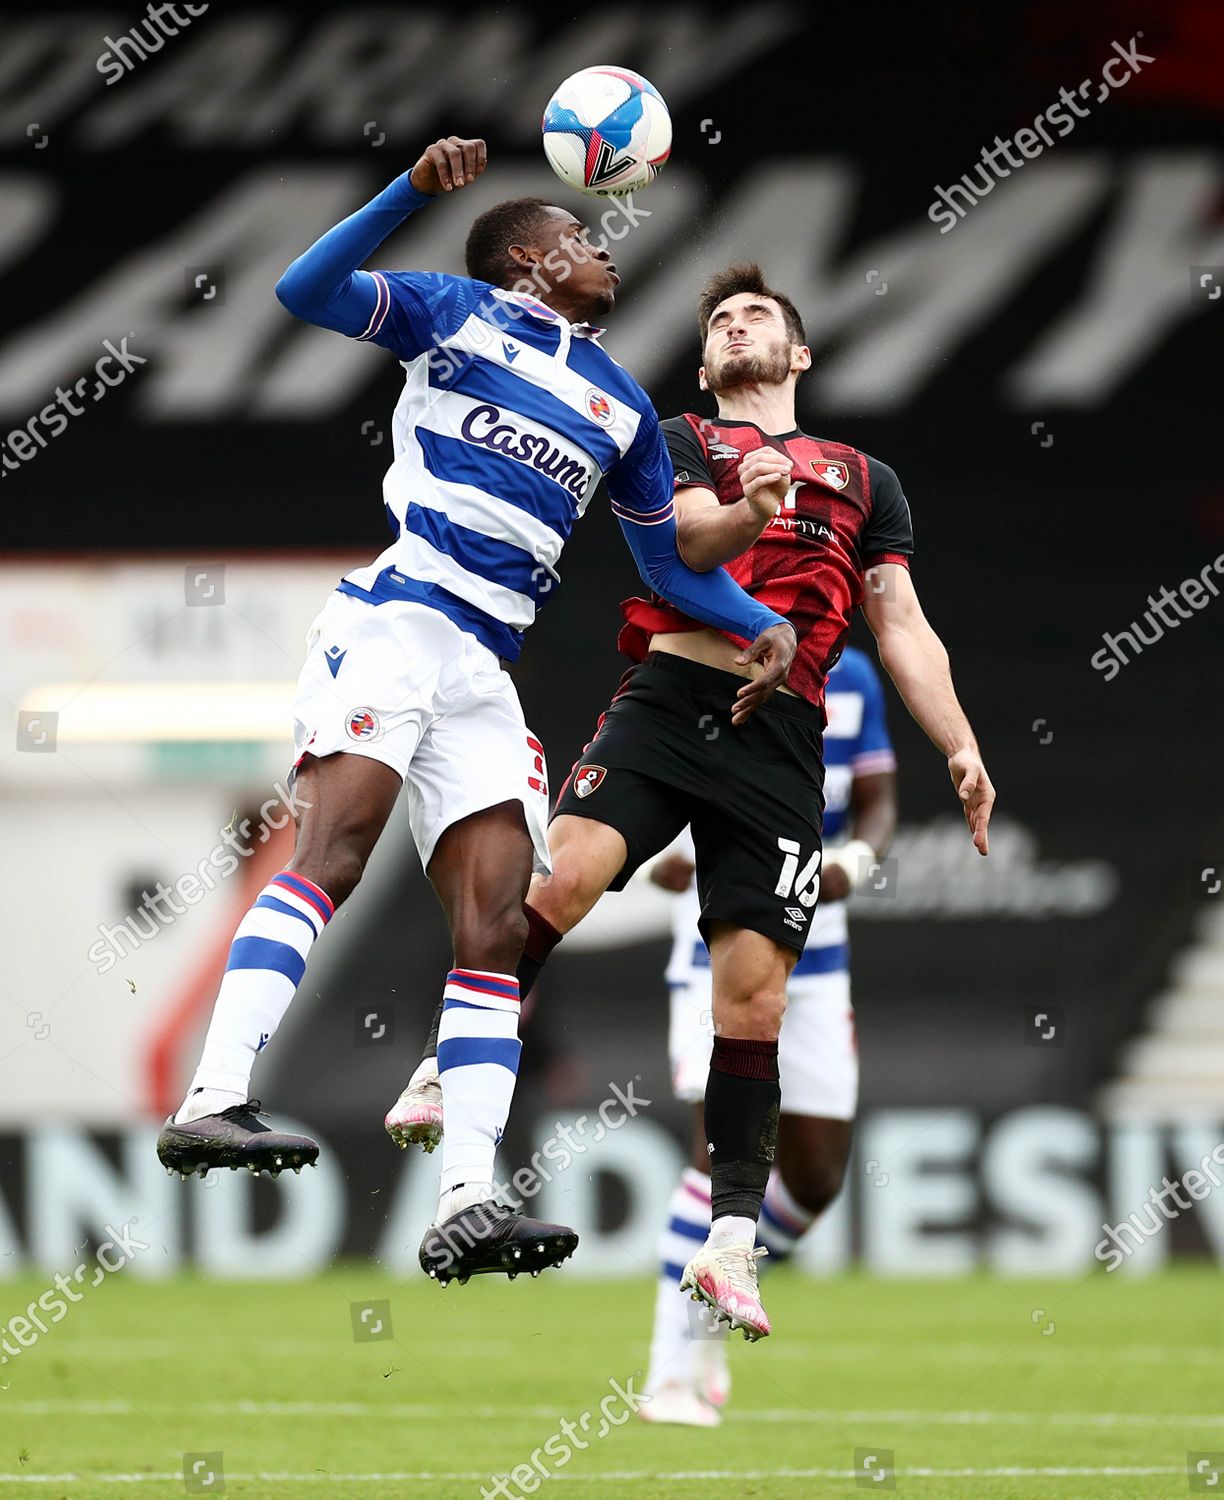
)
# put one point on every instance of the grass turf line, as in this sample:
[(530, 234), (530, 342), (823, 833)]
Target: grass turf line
[(475, 1379)]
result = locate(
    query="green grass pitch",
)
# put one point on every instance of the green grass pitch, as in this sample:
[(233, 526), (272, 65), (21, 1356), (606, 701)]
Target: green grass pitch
[(981, 1389)]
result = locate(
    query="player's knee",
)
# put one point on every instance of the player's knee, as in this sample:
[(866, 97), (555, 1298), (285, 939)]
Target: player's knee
[(338, 872), (755, 1013), (564, 897), (816, 1182)]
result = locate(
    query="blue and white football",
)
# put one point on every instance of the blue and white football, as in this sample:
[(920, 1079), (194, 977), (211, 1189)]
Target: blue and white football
[(607, 131)]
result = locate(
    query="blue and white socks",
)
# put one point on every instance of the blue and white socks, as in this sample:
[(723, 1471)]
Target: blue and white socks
[(478, 1058), (266, 962), (783, 1221)]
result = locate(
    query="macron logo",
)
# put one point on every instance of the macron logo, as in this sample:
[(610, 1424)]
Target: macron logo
[(334, 657), (510, 351)]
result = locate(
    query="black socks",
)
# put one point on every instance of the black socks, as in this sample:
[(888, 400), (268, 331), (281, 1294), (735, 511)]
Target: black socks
[(742, 1101)]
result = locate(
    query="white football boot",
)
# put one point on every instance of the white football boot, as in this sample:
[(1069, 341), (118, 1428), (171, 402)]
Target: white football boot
[(415, 1119), (725, 1279)]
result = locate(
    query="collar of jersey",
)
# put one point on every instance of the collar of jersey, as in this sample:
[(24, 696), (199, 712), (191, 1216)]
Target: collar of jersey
[(776, 437), (545, 314)]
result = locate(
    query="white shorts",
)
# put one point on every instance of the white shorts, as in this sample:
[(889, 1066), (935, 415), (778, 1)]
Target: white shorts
[(402, 684), (817, 1051)]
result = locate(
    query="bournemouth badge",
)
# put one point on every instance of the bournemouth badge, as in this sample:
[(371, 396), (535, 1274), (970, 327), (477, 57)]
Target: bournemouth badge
[(587, 778), (829, 471)]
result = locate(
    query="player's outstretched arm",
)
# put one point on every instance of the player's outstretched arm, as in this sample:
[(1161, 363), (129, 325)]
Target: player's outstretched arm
[(324, 286), (915, 658), (641, 490), (709, 533)]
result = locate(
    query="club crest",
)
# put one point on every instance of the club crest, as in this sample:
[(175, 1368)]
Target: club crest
[(587, 779)]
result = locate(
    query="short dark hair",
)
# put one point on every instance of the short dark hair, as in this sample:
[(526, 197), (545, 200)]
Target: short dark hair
[(487, 252), (747, 277)]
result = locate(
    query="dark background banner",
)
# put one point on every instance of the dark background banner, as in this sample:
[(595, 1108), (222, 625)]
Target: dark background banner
[(1044, 377)]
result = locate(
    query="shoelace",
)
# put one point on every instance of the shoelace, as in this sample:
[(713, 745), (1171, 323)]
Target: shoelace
[(236, 1111), (424, 1088), (742, 1275)]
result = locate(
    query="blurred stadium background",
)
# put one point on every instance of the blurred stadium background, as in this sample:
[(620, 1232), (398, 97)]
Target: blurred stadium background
[(1042, 1034)]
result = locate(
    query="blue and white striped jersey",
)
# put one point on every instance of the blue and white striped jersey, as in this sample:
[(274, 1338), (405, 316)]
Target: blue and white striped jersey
[(856, 743), (508, 418)]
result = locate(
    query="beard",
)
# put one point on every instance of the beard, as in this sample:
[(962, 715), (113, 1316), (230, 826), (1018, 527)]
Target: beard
[(761, 367)]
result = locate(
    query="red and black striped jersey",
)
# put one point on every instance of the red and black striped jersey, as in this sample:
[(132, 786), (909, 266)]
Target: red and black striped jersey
[(844, 514)]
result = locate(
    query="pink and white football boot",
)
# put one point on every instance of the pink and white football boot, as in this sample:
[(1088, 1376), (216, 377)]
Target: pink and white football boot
[(725, 1279), (415, 1119)]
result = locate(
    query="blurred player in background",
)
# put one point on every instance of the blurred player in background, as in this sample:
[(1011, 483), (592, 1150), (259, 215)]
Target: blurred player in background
[(800, 522), (817, 1050), (510, 414)]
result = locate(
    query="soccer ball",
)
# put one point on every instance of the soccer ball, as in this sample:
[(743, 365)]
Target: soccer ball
[(607, 131)]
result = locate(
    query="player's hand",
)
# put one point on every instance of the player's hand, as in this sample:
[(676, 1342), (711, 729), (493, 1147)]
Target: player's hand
[(834, 882), (775, 650), (672, 872), (765, 477), (976, 793), (447, 164)]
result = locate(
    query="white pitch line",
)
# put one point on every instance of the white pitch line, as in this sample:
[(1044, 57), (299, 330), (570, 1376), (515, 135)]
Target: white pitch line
[(971, 1353), (614, 1476), (983, 1418), (99, 1351), (84, 1407)]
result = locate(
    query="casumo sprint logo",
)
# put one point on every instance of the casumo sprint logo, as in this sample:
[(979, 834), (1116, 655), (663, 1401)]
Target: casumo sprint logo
[(487, 426)]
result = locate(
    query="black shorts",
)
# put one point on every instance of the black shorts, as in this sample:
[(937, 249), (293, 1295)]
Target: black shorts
[(666, 756)]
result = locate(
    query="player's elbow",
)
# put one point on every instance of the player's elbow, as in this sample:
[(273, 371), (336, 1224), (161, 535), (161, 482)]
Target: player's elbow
[(911, 646), (692, 554), (894, 651), (667, 578), (292, 292)]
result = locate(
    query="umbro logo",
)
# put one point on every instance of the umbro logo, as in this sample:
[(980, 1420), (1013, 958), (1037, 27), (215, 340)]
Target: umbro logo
[(796, 914), (334, 657), (511, 351), (723, 450)]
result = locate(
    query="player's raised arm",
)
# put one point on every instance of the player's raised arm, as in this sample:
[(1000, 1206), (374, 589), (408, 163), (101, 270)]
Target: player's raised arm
[(325, 286), (708, 532), (916, 660), (641, 489)]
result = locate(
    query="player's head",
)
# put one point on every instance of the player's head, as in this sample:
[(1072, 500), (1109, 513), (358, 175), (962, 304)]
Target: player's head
[(750, 333), (529, 245)]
